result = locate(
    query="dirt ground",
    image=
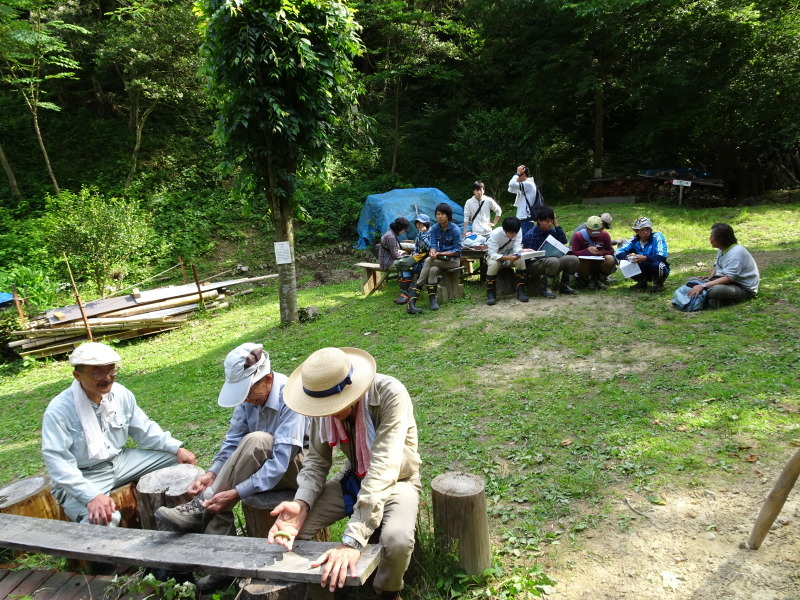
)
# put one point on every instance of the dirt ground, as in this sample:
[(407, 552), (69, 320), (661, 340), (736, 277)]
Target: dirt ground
[(692, 548)]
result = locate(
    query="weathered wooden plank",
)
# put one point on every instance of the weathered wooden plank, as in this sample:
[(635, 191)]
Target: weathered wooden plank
[(52, 588), (234, 556), (11, 581), (31, 583)]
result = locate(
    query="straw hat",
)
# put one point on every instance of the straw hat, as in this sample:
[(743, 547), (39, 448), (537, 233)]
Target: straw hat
[(329, 380)]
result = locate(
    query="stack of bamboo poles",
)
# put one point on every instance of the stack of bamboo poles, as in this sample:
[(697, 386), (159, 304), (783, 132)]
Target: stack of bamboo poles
[(135, 315)]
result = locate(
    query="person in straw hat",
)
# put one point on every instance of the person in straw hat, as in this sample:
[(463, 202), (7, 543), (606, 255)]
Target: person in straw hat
[(370, 417), (84, 433)]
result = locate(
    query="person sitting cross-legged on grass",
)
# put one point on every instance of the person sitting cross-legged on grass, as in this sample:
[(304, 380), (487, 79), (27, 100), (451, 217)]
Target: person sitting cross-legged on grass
[(503, 250), (548, 267), (444, 253), (648, 249), (735, 276)]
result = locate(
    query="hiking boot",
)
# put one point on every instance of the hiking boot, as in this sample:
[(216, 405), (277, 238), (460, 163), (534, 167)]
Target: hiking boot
[(413, 294), (522, 278), (658, 285), (564, 288), (547, 283), (641, 286), (491, 290), (187, 517), (432, 287)]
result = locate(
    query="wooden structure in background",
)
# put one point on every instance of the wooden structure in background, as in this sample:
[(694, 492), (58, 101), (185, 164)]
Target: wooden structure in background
[(459, 517)]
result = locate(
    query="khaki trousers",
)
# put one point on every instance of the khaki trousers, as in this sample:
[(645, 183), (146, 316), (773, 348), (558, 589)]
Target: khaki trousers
[(251, 454), (397, 528), (605, 266)]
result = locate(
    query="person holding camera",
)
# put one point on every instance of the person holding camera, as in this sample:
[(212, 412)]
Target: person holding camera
[(527, 198)]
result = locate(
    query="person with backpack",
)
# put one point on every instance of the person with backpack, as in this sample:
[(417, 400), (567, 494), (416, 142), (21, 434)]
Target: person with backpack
[(478, 211), (734, 277), (528, 197)]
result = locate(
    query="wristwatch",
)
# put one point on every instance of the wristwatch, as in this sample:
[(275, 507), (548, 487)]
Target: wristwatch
[(352, 542)]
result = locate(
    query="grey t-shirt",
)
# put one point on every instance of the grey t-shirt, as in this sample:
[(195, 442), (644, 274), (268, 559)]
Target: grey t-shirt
[(739, 265)]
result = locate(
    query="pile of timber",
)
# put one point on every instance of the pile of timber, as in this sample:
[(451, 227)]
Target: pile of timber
[(138, 314)]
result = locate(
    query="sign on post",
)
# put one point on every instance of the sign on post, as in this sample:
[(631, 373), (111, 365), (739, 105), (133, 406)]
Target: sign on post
[(283, 253), (682, 182)]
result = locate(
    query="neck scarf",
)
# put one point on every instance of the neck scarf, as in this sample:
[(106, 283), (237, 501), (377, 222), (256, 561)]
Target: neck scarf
[(333, 433), (88, 416)]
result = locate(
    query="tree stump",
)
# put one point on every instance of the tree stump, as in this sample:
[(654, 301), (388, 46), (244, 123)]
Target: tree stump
[(260, 589), (125, 499), (30, 497), (165, 487), (258, 521), (459, 516)]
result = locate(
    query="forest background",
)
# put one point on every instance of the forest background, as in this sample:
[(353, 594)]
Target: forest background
[(102, 107)]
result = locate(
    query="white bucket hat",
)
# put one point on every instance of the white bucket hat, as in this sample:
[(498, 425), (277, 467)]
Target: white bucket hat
[(93, 353), (329, 380), (244, 366)]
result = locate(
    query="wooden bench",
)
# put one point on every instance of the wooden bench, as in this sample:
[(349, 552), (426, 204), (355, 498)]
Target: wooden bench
[(451, 287), (375, 276), (220, 554)]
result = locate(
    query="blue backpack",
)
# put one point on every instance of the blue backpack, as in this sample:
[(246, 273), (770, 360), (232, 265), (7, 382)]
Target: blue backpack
[(682, 301)]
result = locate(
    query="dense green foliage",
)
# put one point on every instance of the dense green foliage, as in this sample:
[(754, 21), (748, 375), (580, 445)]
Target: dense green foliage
[(108, 96)]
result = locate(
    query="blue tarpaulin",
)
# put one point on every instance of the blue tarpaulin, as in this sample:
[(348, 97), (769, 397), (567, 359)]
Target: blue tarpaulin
[(5, 298), (381, 209)]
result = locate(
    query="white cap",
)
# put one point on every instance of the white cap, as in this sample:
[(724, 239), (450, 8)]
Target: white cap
[(244, 366), (93, 353)]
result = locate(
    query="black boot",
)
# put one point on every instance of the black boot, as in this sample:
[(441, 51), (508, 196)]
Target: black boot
[(522, 279), (547, 282), (658, 285), (491, 290), (403, 297), (599, 281), (564, 288), (413, 294), (432, 287), (641, 284)]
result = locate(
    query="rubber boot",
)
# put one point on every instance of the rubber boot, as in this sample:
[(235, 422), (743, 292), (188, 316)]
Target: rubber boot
[(522, 279), (547, 283), (403, 297), (564, 288), (432, 287), (491, 289), (658, 285), (599, 281), (641, 285), (413, 294)]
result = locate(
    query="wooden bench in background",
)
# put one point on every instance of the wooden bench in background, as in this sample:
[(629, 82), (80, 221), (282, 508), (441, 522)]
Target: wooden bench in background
[(375, 276)]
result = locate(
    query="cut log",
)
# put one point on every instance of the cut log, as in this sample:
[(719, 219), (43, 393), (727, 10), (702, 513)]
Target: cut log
[(775, 501), (30, 497), (125, 499), (459, 517), (260, 589), (258, 521), (165, 487)]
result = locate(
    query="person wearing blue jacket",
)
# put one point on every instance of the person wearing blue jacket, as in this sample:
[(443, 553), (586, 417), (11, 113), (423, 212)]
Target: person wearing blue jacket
[(648, 249)]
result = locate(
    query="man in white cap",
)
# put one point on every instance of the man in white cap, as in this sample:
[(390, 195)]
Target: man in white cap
[(371, 418), (262, 451), (84, 433)]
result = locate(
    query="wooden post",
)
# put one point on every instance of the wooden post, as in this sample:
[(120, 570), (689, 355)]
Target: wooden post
[(258, 521), (459, 516), (199, 289), (78, 300), (260, 589), (18, 304), (775, 501), (165, 487), (183, 270)]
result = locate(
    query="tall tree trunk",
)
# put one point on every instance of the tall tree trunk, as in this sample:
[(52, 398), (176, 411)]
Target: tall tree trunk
[(44, 151), (12, 181), (396, 142), (598, 131), (139, 128)]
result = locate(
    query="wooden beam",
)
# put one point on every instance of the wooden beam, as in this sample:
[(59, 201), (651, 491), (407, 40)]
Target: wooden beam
[(224, 555)]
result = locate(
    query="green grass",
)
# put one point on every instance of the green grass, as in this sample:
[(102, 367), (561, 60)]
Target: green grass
[(556, 408)]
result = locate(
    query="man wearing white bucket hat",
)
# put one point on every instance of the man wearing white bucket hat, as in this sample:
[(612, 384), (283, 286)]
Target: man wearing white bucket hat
[(262, 451), (370, 417), (84, 433)]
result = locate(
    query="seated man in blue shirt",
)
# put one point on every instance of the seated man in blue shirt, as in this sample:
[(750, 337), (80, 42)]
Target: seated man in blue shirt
[(648, 249), (444, 253), (548, 267), (263, 449)]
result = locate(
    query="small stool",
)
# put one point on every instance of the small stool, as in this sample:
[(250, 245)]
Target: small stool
[(451, 287)]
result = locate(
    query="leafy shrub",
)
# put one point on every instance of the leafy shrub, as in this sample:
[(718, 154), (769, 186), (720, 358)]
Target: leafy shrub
[(99, 235), (33, 285)]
